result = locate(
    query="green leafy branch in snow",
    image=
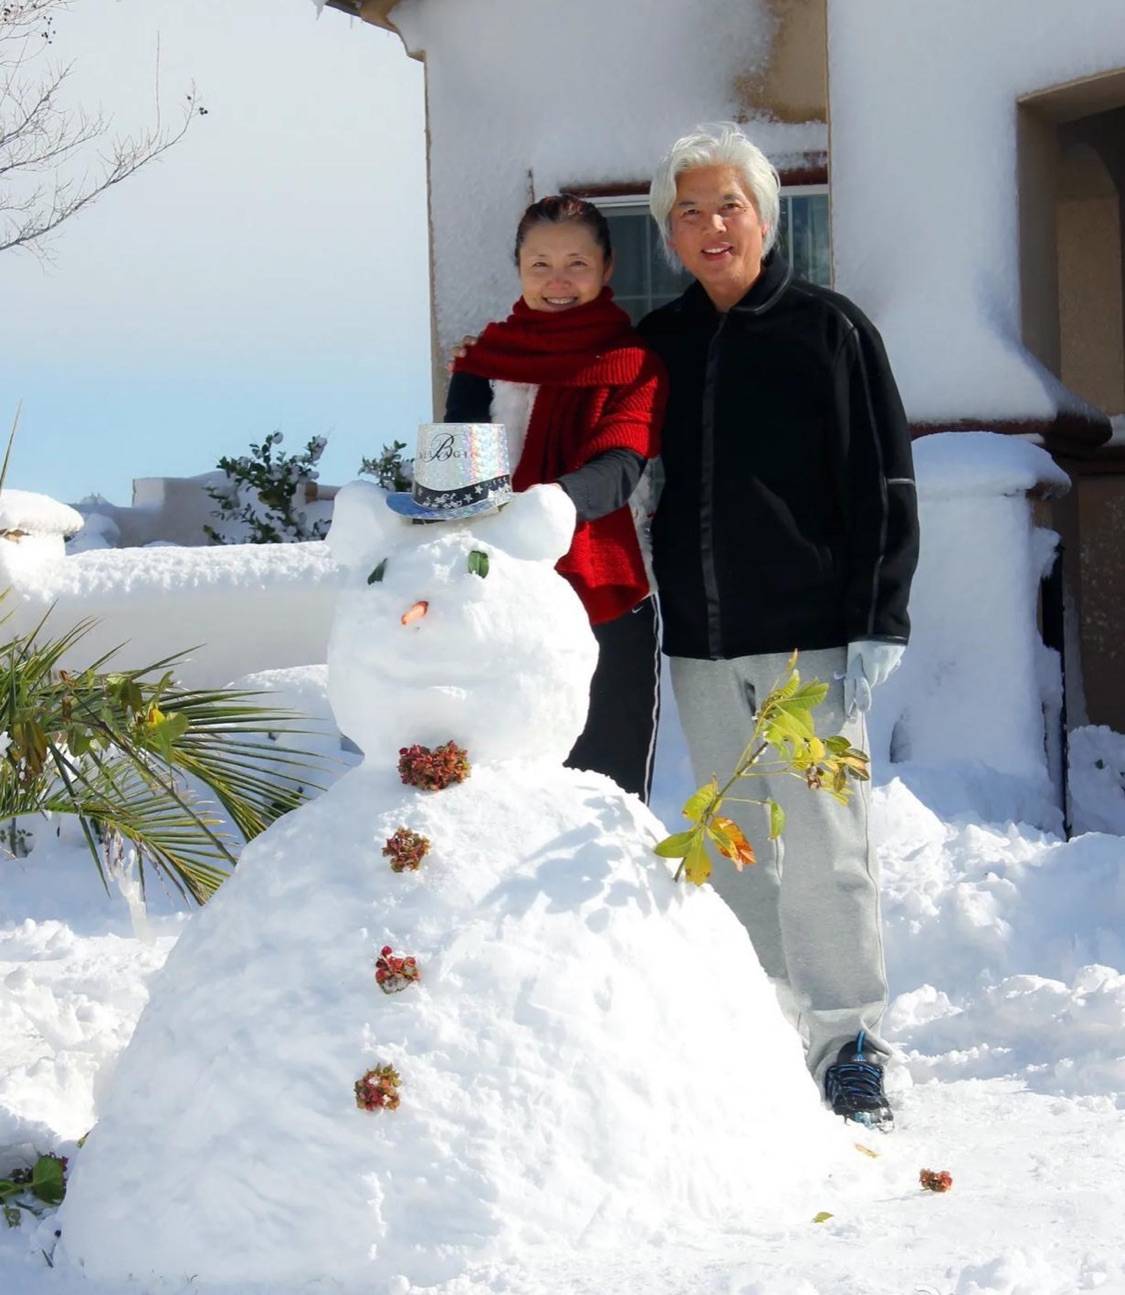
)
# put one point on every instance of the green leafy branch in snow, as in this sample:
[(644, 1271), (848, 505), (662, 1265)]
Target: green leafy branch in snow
[(784, 727), (27, 1189)]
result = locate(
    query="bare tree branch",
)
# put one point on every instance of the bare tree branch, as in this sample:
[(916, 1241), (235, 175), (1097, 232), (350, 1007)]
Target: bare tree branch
[(41, 134)]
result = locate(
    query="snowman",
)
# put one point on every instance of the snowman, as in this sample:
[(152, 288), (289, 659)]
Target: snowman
[(454, 1011)]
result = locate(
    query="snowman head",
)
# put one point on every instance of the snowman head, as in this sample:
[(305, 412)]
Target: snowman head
[(458, 631)]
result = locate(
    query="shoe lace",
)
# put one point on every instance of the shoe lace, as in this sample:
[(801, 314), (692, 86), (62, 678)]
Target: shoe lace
[(855, 1080)]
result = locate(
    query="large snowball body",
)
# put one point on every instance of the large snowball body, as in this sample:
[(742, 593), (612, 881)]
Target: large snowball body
[(593, 1056), (499, 663)]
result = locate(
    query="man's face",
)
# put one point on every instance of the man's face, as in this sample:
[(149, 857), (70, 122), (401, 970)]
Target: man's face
[(716, 232)]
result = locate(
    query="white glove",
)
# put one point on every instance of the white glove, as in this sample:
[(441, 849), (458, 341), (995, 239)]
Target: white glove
[(870, 663)]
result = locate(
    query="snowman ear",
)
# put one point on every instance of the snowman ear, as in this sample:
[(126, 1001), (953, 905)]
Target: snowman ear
[(537, 525), (363, 527)]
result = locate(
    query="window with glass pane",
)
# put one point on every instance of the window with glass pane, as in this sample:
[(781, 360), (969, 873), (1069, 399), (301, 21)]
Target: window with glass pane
[(643, 279), (803, 236)]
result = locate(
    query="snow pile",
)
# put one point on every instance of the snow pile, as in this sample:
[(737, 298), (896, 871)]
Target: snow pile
[(303, 691), (68, 1007), (976, 680), (925, 227), (1097, 780), (99, 531), (1004, 949), (580, 1063), (72, 981)]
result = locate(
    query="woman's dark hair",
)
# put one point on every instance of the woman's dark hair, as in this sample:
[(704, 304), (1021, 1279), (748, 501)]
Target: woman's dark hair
[(560, 208)]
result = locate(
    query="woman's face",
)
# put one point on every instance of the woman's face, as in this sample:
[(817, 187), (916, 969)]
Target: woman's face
[(561, 266)]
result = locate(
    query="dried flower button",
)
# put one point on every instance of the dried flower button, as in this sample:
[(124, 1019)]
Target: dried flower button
[(433, 770), (406, 850), (393, 973)]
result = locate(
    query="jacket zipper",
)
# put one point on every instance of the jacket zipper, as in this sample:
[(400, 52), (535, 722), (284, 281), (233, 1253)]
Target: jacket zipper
[(707, 497)]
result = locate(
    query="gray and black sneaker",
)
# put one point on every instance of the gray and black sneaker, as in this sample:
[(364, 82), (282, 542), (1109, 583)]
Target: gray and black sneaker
[(853, 1087)]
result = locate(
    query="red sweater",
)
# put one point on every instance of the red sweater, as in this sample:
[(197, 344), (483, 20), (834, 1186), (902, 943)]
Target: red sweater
[(599, 389)]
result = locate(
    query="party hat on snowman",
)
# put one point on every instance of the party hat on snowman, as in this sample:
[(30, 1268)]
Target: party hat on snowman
[(461, 470)]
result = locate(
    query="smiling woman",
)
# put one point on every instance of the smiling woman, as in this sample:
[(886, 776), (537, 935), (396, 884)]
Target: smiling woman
[(582, 401), (563, 261)]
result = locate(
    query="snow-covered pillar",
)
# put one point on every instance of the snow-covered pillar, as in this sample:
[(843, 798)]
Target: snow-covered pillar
[(33, 531), (976, 681)]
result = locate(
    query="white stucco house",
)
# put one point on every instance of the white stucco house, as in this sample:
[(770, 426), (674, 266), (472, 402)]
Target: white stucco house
[(957, 169)]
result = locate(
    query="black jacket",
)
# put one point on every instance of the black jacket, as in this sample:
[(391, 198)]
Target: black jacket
[(788, 518)]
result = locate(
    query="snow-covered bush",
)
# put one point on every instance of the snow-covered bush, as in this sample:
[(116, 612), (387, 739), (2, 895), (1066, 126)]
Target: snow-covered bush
[(259, 502), (390, 469)]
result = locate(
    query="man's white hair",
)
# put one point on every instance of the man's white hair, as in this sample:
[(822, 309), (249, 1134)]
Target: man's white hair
[(720, 143)]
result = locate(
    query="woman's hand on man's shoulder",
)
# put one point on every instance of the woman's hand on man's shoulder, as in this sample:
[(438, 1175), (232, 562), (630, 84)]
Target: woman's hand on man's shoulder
[(461, 349)]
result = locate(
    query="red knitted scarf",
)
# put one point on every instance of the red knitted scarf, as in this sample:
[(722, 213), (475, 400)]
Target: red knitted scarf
[(599, 389)]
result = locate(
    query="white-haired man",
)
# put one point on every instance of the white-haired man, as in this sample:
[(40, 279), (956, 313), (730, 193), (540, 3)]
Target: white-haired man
[(788, 520)]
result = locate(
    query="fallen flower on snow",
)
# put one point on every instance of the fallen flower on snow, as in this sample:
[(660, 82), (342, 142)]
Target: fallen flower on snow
[(378, 1089)]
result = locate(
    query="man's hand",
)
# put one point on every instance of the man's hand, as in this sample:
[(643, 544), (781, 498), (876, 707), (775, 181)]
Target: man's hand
[(870, 663), (461, 350)]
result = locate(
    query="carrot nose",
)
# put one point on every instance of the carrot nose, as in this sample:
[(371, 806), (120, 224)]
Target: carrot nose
[(415, 613)]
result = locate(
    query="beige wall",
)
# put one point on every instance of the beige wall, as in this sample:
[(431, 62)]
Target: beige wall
[(1038, 159), (794, 87), (1092, 336)]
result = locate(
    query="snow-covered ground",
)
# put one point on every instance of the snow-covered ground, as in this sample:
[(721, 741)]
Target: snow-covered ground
[(1005, 952)]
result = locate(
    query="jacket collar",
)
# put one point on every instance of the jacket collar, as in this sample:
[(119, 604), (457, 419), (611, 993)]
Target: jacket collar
[(763, 294)]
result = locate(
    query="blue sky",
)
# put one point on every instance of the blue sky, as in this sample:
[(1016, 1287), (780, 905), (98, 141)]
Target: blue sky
[(270, 272)]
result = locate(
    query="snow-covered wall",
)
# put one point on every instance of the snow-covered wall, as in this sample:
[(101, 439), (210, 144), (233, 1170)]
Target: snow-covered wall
[(974, 685), (241, 607), (976, 680), (524, 98), (925, 197)]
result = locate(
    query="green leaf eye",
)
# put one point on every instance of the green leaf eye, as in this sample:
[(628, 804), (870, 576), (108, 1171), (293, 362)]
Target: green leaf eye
[(378, 573), (478, 563)]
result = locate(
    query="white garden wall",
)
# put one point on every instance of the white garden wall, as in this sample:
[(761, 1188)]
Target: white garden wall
[(240, 608)]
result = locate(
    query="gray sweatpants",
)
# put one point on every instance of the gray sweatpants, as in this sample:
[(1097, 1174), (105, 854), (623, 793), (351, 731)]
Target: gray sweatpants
[(813, 916)]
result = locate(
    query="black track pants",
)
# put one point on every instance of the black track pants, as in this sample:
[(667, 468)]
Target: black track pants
[(620, 734)]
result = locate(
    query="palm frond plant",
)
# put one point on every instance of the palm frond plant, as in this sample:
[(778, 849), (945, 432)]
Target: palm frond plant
[(126, 753)]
